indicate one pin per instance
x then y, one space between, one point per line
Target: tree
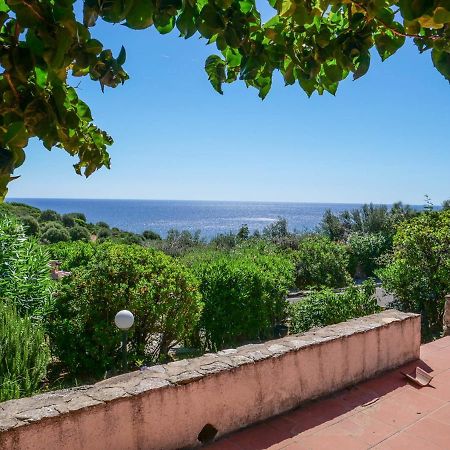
79 233
419 272
316 43
55 233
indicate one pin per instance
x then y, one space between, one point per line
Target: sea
210 217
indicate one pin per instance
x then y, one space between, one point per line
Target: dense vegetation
326 307
315 43
418 270
160 292
190 296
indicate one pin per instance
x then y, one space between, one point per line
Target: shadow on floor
317 414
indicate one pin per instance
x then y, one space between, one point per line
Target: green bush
326 307
79 233
151 235
31 225
159 291
102 224
72 254
419 271
77 216
24 354
68 221
24 271
365 252
103 233
55 233
321 262
244 295
49 215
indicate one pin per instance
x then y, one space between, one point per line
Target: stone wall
168 406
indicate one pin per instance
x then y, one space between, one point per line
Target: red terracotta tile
439 343
405 441
386 385
432 431
287 443
358 396
331 438
318 415
392 413
258 437
437 362
295 446
418 400
222 444
283 424
367 429
439 387
441 414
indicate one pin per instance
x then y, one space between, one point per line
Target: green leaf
164 23
122 56
215 68
246 6
387 43
441 15
140 15
441 61
186 23
362 65
16 136
41 77
413 9
333 71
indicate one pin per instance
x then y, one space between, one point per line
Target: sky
382 138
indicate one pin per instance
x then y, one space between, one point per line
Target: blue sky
383 137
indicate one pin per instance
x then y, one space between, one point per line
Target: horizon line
217 201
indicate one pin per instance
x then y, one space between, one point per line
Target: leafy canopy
316 43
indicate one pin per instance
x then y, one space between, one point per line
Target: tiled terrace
387 412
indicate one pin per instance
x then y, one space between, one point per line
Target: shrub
179 242
79 233
151 235
49 215
225 241
77 216
55 234
277 229
68 220
30 225
244 295
367 219
419 271
321 262
161 293
326 307
102 224
365 251
24 271
24 354
73 254
103 233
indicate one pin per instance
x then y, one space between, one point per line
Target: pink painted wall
170 417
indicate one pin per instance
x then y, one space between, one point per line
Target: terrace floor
386 413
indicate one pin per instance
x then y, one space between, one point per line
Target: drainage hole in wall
207 434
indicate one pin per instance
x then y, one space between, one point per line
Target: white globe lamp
124 320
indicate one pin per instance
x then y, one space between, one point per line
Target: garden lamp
124 321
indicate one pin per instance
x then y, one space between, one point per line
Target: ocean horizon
210 217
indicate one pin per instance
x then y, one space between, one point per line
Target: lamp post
124 321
